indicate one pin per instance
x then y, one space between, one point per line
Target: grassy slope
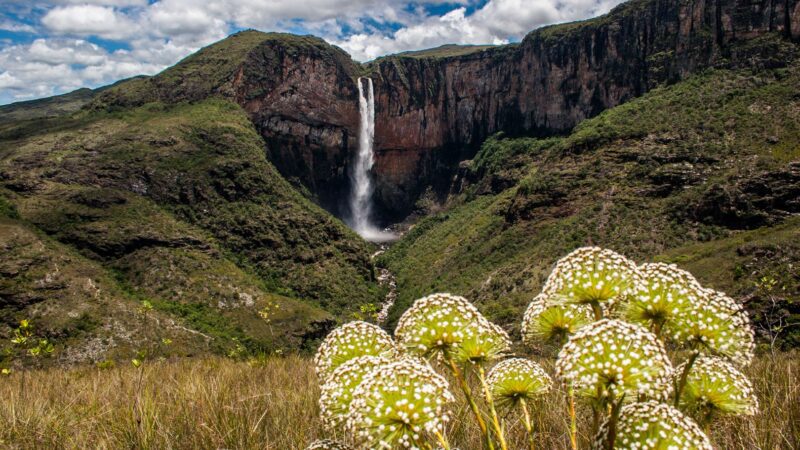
212 70
179 205
667 176
46 107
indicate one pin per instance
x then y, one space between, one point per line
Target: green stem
573 423
526 416
598 311
495 420
684 375
611 437
442 441
473 406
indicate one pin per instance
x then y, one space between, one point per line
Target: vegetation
616 364
444 51
684 159
176 205
192 403
211 71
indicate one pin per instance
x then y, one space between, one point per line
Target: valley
222 185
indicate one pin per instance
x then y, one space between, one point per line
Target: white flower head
654 426
592 276
715 324
337 393
715 385
349 341
548 321
516 379
437 324
663 292
609 359
397 404
327 444
484 341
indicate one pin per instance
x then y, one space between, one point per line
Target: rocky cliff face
304 102
433 111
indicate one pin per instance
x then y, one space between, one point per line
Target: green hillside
705 173
177 206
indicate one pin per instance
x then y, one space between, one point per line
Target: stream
385 278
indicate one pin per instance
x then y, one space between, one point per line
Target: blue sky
49 47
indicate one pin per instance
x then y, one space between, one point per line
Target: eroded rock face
304 102
433 111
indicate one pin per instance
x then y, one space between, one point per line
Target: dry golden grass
218 403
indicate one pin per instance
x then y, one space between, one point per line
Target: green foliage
212 223
7 209
207 320
445 51
632 179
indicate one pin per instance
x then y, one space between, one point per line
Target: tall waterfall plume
360 172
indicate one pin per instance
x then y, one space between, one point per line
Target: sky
50 47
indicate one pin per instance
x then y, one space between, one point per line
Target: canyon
434 108
199 189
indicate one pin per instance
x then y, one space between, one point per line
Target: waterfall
360 176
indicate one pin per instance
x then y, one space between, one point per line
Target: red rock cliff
433 111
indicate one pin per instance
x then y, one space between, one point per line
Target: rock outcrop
433 111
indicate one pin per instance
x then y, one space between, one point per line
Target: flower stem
573 423
473 406
613 418
442 441
526 416
598 311
684 375
495 420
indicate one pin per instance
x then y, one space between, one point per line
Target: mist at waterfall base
362 187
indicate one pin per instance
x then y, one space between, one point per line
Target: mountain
664 130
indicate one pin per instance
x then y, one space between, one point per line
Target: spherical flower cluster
610 358
546 321
327 444
678 275
715 324
662 293
349 341
715 385
592 276
397 404
516 379
337 393
483 342
440 323
654 426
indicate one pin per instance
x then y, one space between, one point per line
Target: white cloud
117 3
77 52
157 35
90 20
498 21
16 27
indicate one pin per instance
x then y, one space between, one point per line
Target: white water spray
362 187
